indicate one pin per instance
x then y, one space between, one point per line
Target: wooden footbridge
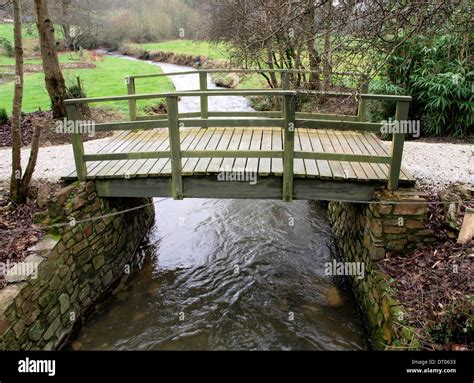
288 154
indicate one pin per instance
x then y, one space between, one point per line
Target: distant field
107 79
189 47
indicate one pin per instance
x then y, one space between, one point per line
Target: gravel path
53 161
438 165
433 164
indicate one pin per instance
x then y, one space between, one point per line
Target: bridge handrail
237 92
239 70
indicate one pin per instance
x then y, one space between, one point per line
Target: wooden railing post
132 104
77 143
397 145
364 89
285 85
175 148
289 113
204 99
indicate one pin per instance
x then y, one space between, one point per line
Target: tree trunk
53 76
313 56
15 183
327 70
25 182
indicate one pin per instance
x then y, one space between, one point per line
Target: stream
230 275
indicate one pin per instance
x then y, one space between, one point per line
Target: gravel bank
438 165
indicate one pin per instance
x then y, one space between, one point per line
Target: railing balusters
77 143
132 104
204 99
397 146
289 111
175 148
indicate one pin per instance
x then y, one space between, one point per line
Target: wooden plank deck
307 140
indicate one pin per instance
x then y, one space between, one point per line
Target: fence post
289 109
204 99
397 145
132 104
77 143
175 148
364 89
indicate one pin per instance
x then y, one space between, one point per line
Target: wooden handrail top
240 70
227 92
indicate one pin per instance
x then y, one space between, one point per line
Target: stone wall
78 264
393 223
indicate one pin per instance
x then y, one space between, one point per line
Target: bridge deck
308 140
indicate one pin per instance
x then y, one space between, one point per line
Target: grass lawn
29 31
190 47
107 79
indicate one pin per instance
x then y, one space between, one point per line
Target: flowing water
230 274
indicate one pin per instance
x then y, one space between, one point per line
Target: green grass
107 79
29 31
189 47
63 57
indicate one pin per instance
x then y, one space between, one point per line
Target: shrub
439 74
3 116
455 326
7 47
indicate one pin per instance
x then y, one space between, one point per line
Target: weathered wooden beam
204 98
236 92
344 124
234 122
132 104
125 156
212 187
175 148
232 154
326 117
165 116
397 146
289 109
131 125
77 144
246 114
343 157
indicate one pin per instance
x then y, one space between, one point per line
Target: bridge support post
289 112
397 145
175 149
204 99
77 143
132 104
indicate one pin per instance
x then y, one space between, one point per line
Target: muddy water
230 274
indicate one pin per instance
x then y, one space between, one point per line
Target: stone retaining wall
77 266
393 223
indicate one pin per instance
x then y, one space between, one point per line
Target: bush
3 116
455 326
439 74
378 111
7 47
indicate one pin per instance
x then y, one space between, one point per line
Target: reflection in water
231 275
